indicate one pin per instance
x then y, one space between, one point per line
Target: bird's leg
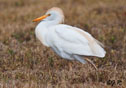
70 67
89 61
79 58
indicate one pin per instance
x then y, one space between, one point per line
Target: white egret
68 42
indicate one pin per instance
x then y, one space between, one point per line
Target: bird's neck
42 29
50 23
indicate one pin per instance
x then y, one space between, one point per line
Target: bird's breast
41 35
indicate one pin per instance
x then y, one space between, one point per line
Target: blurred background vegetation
26 63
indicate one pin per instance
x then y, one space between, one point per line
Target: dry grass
26 63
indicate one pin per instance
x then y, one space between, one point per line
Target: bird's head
53 14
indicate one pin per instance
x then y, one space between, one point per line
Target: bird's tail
98 49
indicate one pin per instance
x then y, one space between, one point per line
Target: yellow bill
41 18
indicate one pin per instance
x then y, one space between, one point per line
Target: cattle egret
68 42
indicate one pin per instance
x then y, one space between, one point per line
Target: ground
26 63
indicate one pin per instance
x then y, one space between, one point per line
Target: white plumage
67 41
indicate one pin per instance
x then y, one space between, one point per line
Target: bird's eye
49 14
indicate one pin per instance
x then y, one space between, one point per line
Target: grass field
26 63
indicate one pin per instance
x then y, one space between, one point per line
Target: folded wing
76 41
